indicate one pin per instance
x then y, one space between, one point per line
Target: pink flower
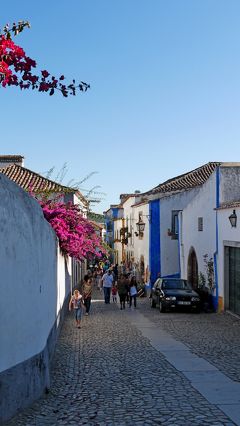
45 74
77 237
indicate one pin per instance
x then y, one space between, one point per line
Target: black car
174 293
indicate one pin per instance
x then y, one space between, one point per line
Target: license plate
183 303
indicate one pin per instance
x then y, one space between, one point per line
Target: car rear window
156 284
176 284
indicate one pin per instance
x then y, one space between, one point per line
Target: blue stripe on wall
154 240
217 187
215 298
179 238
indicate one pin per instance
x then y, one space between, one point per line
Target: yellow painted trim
220 304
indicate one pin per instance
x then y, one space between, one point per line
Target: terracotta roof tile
143 201
29 180
229 205
11 157
186 181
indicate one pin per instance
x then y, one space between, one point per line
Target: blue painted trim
217 187
115 212
215 298
177 275
107 220
179 238
154 240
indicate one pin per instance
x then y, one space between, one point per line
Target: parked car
174 293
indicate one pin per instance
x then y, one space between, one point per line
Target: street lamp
233 219
140 227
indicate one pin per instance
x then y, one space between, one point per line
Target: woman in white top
133 292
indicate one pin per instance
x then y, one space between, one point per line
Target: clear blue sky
164 98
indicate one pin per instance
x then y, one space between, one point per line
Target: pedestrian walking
76 303
99 279
133 292
114 293
128 287
122 290
115 271
107 281
87 293
94 277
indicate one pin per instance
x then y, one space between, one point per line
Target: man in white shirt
107 280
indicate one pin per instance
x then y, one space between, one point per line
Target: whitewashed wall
141 246
204 242
130 222
117 244
35 281
169 246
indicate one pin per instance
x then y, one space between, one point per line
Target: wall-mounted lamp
233 219
140 226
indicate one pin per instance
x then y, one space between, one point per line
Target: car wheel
153 303
162 308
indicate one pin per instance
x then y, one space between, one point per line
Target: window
176 284
174 230
200 223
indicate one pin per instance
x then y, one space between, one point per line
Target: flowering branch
77 236
16 68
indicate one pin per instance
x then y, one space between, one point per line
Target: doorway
192 275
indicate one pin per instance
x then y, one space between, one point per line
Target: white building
140 240
203 230
130 246
229 256
165 202
184 228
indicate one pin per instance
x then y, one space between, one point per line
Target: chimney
9 160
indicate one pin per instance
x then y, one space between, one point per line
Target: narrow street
110 373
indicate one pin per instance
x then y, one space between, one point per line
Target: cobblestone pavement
108 374
215 337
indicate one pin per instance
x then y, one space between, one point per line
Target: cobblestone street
213 337
107 373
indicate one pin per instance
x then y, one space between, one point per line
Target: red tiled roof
229 205
140 203
11 157
186 181
29 180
